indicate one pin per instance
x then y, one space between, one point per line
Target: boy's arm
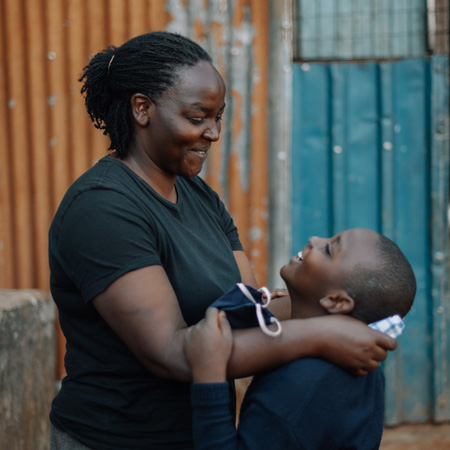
212 421
207 347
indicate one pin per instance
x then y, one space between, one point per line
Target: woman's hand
351 344
207 346
278 293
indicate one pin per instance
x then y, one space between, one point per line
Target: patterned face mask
393 326
245 308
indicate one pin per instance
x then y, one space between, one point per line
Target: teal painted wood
361 145
440 236
339 205
411 366
311 188
370 149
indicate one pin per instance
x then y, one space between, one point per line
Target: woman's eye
196 120
219 118
328 249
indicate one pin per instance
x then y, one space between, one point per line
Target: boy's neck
304 309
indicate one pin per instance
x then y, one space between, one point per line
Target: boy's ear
338 302
141 107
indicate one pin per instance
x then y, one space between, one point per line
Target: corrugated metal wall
47 139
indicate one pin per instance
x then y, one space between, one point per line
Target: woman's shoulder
105 178
105 183
106 172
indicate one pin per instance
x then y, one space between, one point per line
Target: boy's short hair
386 288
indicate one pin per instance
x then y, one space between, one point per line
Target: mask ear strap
267 294
262 322
259 310
246 292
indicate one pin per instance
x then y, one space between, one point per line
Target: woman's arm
142 308
342 340
247 275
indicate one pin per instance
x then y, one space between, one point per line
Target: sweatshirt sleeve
212 421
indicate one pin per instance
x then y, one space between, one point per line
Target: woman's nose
212 133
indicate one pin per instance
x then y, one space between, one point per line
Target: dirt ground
417 437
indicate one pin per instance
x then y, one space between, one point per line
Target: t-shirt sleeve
228 225
102 236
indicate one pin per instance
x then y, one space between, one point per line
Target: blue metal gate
370 149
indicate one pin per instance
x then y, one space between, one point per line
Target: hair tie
110 61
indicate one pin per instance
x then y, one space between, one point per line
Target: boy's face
327 262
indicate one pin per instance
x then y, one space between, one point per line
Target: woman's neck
159 181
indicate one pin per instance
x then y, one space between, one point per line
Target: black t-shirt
109 223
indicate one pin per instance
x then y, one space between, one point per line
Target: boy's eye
219 118
328 249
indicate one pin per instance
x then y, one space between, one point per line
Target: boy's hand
352 344
207 346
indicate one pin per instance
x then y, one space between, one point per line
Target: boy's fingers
211 314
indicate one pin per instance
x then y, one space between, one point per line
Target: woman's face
185 121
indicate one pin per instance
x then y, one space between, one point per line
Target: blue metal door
370 149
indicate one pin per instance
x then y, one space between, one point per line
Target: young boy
308 403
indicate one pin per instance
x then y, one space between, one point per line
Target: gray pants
62 441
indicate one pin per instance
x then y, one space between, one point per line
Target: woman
140 247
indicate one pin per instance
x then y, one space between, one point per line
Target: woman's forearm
254 351
342 340
280 307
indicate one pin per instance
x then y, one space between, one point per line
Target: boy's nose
312 241
315 240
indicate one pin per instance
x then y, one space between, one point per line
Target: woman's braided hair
147 64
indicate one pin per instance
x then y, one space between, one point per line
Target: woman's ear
338 302
141 106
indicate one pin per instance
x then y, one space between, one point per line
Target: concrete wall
27 368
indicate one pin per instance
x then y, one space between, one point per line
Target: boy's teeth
300 256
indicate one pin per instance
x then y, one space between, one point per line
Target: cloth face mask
245 308
393 326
